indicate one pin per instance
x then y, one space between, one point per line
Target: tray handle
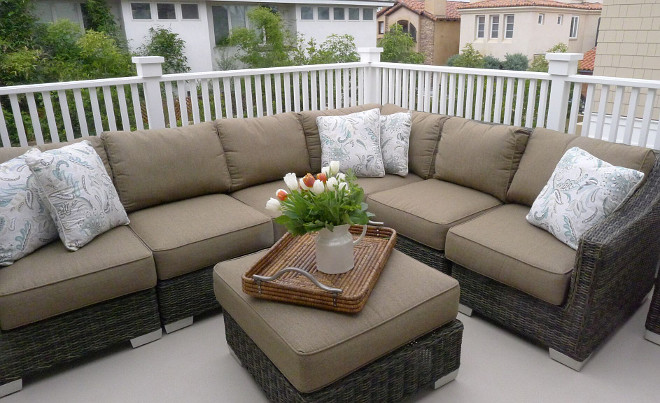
265 279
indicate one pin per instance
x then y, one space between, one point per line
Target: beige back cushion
546 147
263 149
424 135
8 153
478 155
308 121
152 167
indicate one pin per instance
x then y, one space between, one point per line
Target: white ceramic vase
334 249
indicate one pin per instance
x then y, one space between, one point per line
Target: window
481 26
166 11
368 14
381 27
353 14
306 13
575 20
141 11
226 18
408 28
337 13
541 19
324 13
189 12
494 26
508 19
560 19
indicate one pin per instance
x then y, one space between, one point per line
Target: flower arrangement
325 201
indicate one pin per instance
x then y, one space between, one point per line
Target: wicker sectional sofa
196 196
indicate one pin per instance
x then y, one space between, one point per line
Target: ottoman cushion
314 348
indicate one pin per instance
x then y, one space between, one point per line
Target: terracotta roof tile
530 3
418 7
587 63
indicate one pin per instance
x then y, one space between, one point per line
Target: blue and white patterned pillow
25 224
354 141
78 191
581 192
394 141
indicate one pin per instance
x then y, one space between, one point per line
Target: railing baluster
361 85
443 94
436 92
575 108
451 109
123 108
616 114
4 133
488 110
80 109
346 88
543 104
226 91
269 95
508 103
354 87
249 104
206 102
399 87
404 90
602 108
331 103
586 121
34 117
646 120
305 91
338 89
479 103
169 100
322 93
259 96
66 116
287 92
50 115
194 101
217 98
630 119
314 89
499 90
18 119
520 101
469 101
183 101
413 87
296 92
109 109
238 97
137 107
391 84
427 91
278 93
460 102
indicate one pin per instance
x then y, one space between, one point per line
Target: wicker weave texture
389 379
429 256
653 319
187 295
36 347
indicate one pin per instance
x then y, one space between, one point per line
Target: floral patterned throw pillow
80 195
394 140
354 141
581 192
25 224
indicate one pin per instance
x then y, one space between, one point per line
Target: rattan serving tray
348 291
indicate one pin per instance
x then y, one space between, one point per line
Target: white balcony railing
620 110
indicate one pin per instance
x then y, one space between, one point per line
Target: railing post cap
564 57
370 50
149 66
148 59
369 55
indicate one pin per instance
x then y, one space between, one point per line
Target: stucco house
203 23
433 24
530 27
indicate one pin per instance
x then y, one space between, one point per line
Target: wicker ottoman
406 337
653 319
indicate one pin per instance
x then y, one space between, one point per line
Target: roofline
529 8
375 3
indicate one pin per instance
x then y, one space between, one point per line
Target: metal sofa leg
566 360
11 387
445 379
179 324
465 310
652 337
146 338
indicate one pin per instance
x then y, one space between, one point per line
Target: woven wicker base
36 347
653 319
187 295
391 378
429 256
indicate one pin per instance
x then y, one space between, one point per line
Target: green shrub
491 62
515 61
398 47
469 57
164 42
540 64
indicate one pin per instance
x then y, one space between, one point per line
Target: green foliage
16 24
398 47
100 19
515 61
100 57
335 49
540 64
469 57
164 42
491 62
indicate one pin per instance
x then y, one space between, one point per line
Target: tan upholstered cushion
314 348
502 245
424 211
152 167
7 153
191 234
94 141
374 185
263 149
53 280
424 136
480 155
308 121
546 147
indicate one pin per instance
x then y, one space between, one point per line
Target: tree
17 24
539 63
398 47
99 18
335 49
515 61
164 42
469 57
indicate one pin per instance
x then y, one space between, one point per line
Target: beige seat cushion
308 121
502 245
374 185
53 280
546 147
263 149
480 155
424 136
151 167
424 211
314 348
191 234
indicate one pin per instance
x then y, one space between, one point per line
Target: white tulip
334 168
342 186
332 183
291 181
326 171
318 187
273 205
341 177
302 184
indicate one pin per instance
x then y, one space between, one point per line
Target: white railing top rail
531 75
615 81
68 85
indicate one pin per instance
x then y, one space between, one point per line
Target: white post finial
150 68
371 84
560 66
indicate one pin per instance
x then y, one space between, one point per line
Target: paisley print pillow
394 140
